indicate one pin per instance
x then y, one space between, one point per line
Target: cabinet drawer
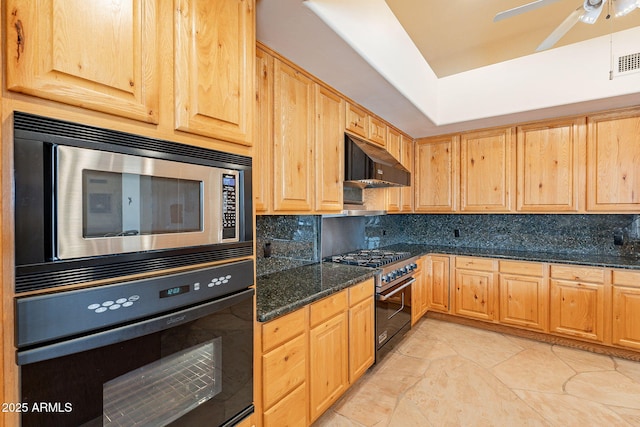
290 411
283 369
471 263
570 272
282 329
360 292
523 268
627 278
328 307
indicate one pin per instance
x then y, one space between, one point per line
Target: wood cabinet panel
362 291
377 131
361 337
263 133
436 174
475 294
613 156
329 163
394 195
547 173
626 309
357 120
486 171
293 141
522 268
50 56
282 329
577 273
524 301
290 411
214 71
406 158
328 307
474 263
283 369
419 295
328 363
438 283
578 309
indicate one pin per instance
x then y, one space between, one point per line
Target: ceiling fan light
623 7
592 10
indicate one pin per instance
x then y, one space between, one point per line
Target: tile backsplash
294 240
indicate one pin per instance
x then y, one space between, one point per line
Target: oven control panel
43 318
396 273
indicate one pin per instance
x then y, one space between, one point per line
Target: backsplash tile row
295 240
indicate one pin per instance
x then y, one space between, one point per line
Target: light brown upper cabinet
214 74
406 158
116 70
613 159
486 171
377 131
357 120
436 174
548 166
293 139
394 195
329 143
263 133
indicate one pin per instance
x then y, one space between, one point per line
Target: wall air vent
627 64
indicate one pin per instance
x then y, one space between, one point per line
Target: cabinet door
626 316
436 169
377 131
487 177
475 294
329 150
406 158
361 338
419 296
263 133
290 411
438 283
577 309
329 363
103 58
214 72
524 301
357 120
283 369
394 195
293 139
613 153
547 156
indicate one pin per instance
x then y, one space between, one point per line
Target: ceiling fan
588 13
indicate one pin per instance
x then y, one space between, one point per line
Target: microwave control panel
229 206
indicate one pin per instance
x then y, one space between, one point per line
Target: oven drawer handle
384 297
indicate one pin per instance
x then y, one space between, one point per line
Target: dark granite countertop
283 292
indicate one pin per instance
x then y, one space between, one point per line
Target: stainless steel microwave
94 203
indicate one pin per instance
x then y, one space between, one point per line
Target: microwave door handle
384 297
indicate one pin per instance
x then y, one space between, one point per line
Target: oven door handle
384 297
127 332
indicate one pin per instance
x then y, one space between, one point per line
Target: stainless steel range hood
368 166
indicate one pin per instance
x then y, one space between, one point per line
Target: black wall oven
133 300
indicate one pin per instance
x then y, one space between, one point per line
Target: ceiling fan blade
522 9
562 29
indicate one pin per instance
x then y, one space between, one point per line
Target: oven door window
196 374
126 204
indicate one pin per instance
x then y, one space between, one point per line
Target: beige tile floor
444 374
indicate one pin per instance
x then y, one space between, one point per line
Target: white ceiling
379 61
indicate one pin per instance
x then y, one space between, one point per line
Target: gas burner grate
370 257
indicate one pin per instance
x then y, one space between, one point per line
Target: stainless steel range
393 292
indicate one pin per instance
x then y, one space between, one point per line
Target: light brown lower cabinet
437 278
626 309
328 352
580 303
311 356
524 295
475 288
419 293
